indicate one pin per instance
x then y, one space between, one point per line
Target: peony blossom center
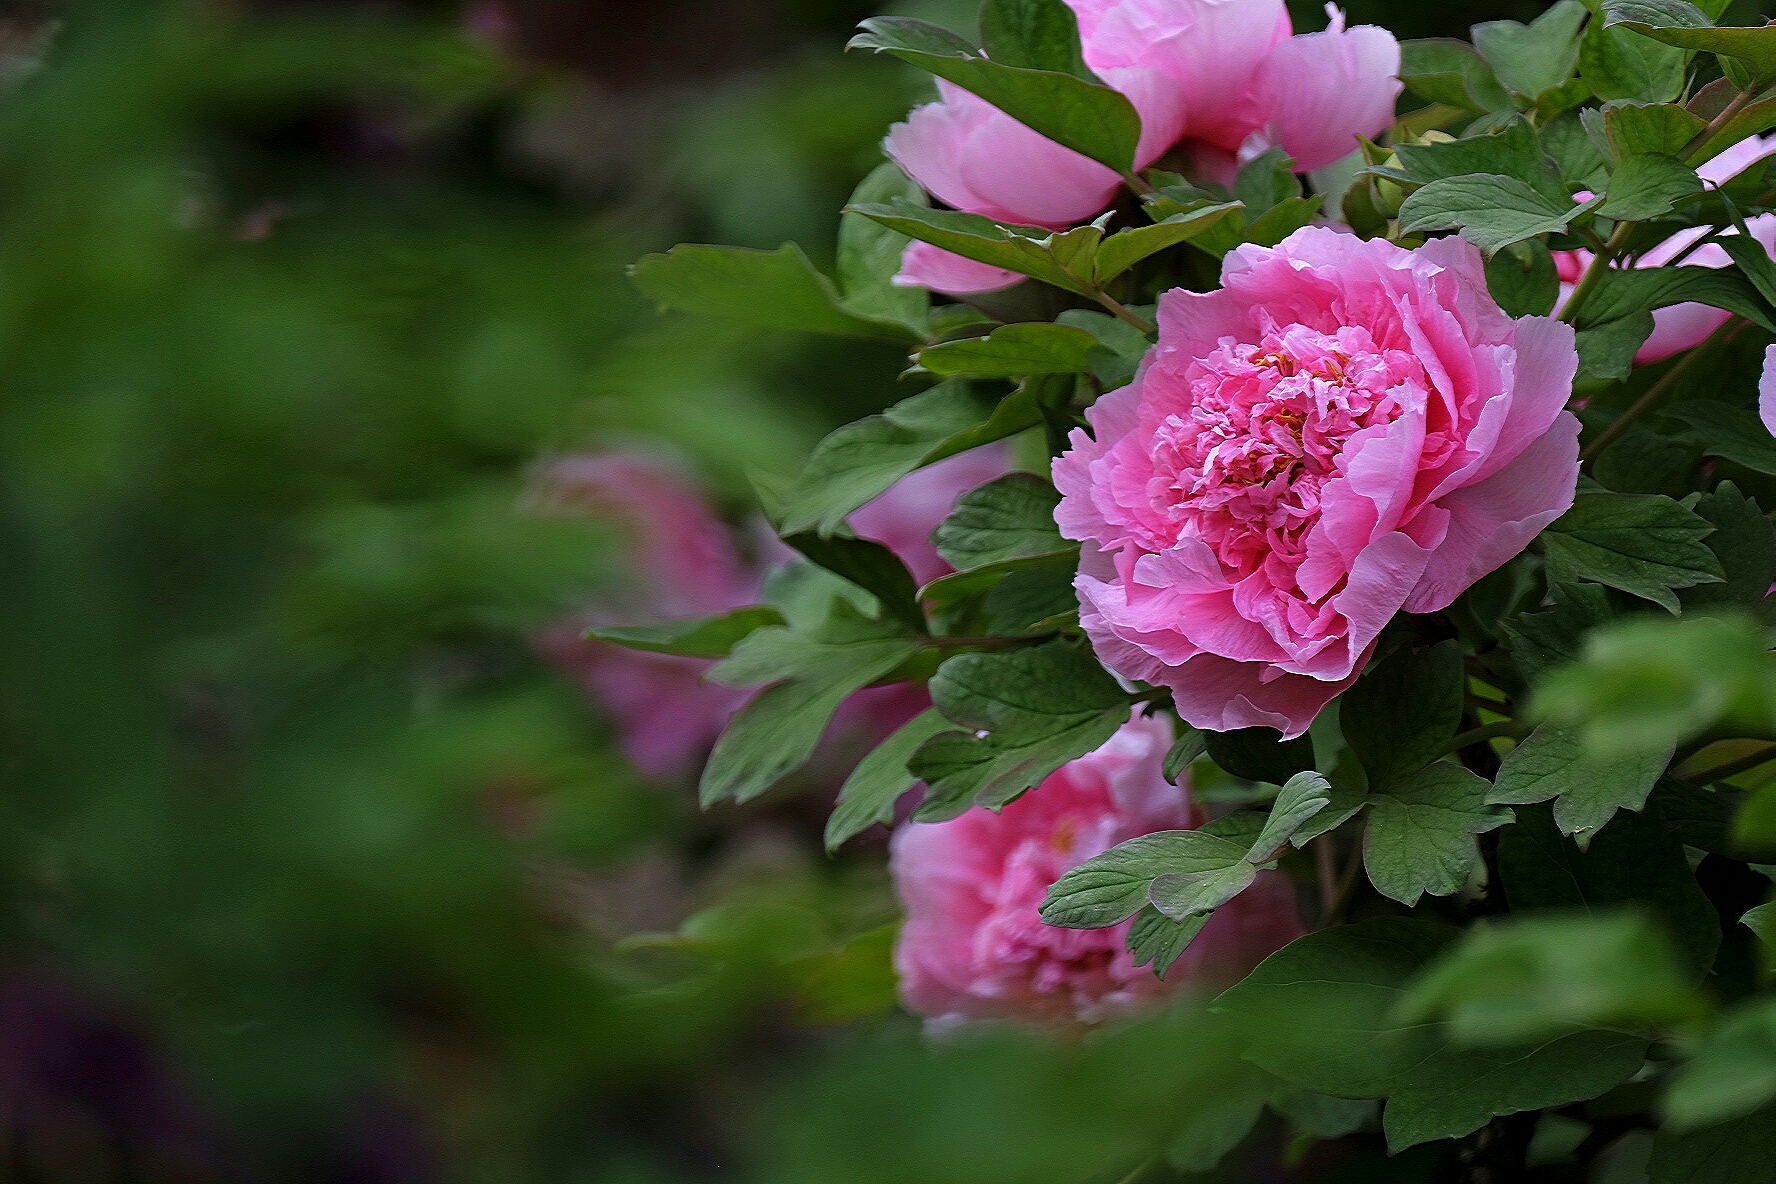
1262 428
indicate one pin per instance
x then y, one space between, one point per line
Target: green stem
1656 393
1139 184
1726 769
988 643
1600 263
1491 704
1121 310
1326 869
1347 888
1715 125
1484 733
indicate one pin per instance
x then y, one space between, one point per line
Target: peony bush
1321 556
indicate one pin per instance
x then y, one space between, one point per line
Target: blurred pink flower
1684 326
974 945
1222 80
1345 430
685 563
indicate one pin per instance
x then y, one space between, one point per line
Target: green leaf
1229 1094
1346 800
1642 544
1420 836
772 289
702 637
1124 249
1579 158
1039 708
871 566
1321 1115
1445 70
1532 59
1120 344
1739 1152
1544 641
1023 249
1510 148
1157 940
1632 861
1647 681
1110 888
1673 22
1619 64
948 591
1260 754
1523 279
1013 351
1648 186
1762 922
1606 350
1590 786
1537 977
1305 795
869 257
1191 744
1745 544
1009 518
1702 817
1267 230
1490 210
1402 713
813 672
861 460
1636 129
1319 1014
1732 433
1202 889
1034 35
1731 1073
1265 182
877 783
1091 119
1033 599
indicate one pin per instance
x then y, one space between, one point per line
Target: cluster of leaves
1545 803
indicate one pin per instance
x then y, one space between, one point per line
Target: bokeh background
313 865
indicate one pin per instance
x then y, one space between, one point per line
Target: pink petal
925 266
1319 91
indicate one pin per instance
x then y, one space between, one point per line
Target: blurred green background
311 867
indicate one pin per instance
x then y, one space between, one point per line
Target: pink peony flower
686 564
974 945
1345 430
1222 80
1684 326
1767 390
903 518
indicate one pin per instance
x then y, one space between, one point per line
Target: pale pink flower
1345 430
974 945
1683 326
1767 390
1222 80
685 563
